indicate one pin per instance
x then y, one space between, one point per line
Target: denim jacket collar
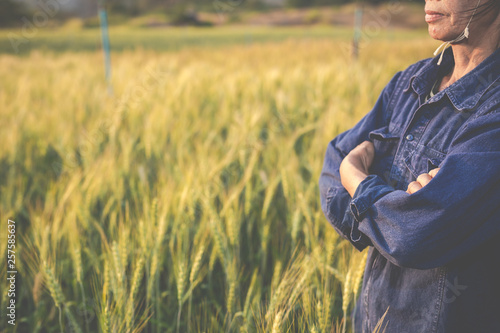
464 93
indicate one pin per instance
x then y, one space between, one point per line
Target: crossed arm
354 169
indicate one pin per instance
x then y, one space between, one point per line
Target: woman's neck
473 51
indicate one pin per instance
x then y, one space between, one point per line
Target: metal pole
358 23
103 19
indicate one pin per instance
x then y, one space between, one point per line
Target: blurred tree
299 3
136 7
11 13
312 3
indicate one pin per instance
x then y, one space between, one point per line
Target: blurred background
78 23
161 159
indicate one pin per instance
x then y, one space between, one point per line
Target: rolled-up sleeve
335 200
457 211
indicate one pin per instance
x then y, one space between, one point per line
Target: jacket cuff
367 193
335 204
356 237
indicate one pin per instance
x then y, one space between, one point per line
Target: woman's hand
354 167
421 181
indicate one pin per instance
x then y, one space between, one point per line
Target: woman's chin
439 34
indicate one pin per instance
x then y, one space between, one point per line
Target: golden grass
191 194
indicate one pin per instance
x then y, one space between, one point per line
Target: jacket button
409 137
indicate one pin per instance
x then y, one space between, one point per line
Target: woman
417 180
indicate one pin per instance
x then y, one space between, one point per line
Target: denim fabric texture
434 255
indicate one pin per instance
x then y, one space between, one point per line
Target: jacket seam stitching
368 288
439 302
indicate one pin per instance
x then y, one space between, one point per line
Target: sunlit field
185 198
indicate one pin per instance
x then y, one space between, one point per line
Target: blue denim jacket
434 255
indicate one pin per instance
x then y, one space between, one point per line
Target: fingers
365 148
370 148
421 181
362 156
433 172
424 179
368 144
413 187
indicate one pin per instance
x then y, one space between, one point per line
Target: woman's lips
432 16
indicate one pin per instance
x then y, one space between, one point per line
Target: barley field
186 198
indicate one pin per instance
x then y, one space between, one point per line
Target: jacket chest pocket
386 144
423 159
